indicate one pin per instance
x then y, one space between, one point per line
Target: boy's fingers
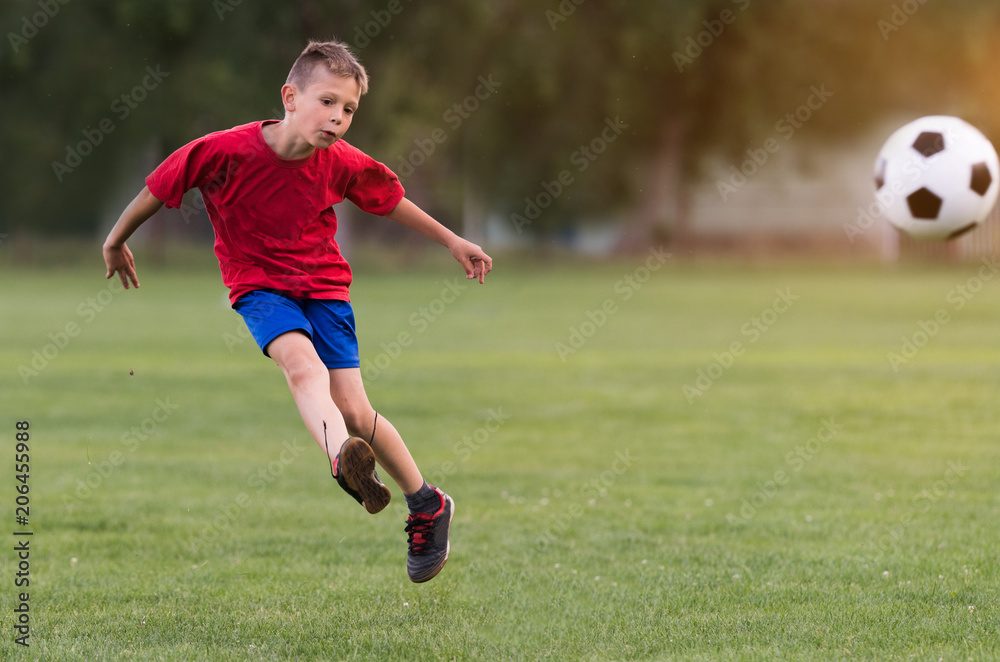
131 275
475 262
129 268
479 270
469 264
485 265
125 275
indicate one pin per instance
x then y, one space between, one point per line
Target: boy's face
322 112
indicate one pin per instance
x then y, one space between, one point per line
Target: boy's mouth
329 134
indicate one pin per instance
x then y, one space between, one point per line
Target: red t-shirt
273 218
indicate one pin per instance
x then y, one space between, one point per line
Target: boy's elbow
146 194
395 211
148 200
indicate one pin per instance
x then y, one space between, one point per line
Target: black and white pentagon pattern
981 178
924 204
929 143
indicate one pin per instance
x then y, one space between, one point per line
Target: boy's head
322 92
332 56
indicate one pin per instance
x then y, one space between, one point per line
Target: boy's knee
359 420
297 358
303 373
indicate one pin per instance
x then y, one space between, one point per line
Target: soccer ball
937 178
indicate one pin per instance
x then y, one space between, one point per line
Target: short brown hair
335 56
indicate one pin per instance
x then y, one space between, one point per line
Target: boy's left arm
472 258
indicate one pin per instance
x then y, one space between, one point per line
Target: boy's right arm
117 256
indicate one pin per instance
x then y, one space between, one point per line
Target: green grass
591 514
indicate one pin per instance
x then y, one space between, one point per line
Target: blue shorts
329 323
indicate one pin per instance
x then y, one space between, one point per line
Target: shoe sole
357 464
447 550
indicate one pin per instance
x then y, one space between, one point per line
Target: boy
269 188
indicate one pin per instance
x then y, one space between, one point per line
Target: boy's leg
307 379
431 510
309 383
348 393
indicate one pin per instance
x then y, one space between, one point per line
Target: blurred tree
544 112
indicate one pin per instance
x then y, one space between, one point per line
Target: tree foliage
505 102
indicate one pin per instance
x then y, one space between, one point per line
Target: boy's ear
288 95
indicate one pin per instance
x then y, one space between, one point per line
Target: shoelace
335 465
419 525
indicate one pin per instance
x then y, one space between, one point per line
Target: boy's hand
116 254
472 258
119 258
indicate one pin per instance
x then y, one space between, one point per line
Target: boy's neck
285 142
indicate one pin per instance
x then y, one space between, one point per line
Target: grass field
693 462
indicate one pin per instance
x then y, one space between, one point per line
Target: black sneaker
428 540
354 468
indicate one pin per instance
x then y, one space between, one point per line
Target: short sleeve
374 188
191 166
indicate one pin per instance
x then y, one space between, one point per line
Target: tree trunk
665 204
